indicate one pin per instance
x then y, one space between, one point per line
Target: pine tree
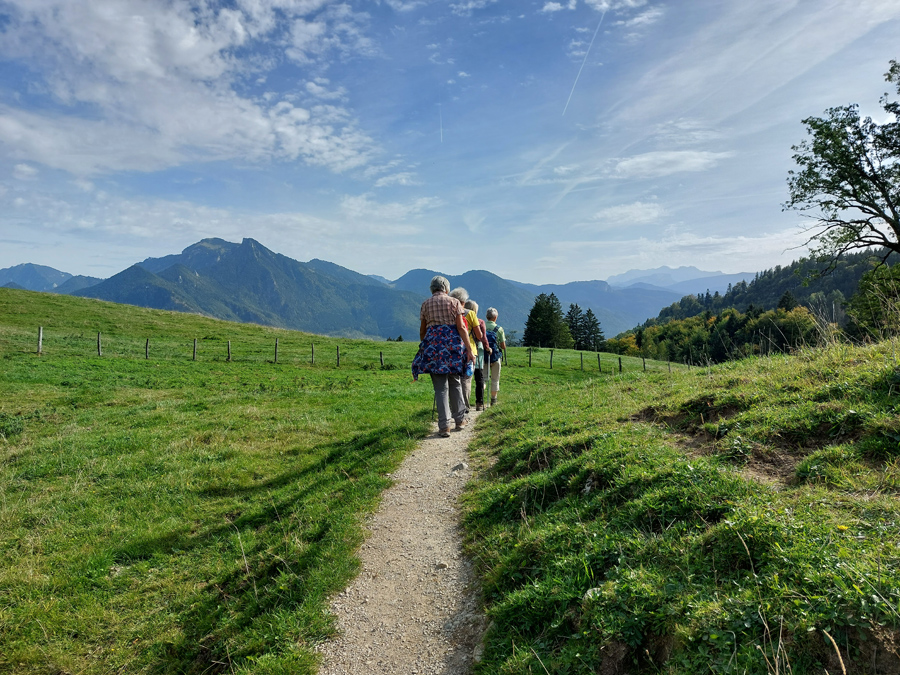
546 326
575 322
593 335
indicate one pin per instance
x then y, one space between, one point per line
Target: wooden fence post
195 349
620 364
40 339
381 358
99 346
229 351
313 358
551 359
529 357
276 350
644 361
670 366
338 356
599 367
147 349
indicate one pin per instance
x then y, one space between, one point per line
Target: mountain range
247 282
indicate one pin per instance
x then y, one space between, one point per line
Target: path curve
413 609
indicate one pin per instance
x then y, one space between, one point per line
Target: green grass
167 515
170 515
722 520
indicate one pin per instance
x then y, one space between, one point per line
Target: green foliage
875 309
619 524
730 335
848 176
166 515
546 326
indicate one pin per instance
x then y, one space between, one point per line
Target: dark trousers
479 386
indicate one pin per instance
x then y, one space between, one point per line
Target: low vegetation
169 515
736 519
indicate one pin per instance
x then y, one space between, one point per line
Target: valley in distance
247 282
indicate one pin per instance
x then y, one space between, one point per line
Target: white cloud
161 82
364 208
666 163
637 213
404 178
404 5
645 18
551 7
24 172
463 74
466 8
614 5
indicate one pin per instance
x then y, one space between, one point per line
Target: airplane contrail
583 62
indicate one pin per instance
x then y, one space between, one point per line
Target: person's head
439 283
491 314
471 304
460 294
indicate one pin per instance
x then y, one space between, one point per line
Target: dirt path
413 610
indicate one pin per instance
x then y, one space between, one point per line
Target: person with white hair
496 338
475 336
444 353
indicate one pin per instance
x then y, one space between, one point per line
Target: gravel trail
413 609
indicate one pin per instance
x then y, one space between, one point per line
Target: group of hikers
455 344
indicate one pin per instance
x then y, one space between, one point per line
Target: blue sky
544 141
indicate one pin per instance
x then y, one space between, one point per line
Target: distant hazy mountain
683 280
76 283
33 277
616 308
247 282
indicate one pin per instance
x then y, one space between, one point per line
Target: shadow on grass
296 542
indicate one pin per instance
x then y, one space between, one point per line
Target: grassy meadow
167 515
737 519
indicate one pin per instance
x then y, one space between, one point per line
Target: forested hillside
780 310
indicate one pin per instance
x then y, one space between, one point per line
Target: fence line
579 365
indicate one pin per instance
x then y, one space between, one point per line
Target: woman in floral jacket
444 353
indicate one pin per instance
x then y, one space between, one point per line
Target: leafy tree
849 176
546 326
875 309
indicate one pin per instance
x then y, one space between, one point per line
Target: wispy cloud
390 214
142 86
404 178
24 172
637 213
666 163
553 7
466 8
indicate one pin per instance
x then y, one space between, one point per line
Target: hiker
444 353
473 330
479 333
496 338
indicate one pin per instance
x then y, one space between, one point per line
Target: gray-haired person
473 333
477 331
444 353
497 339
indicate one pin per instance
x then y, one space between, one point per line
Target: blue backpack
496 354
